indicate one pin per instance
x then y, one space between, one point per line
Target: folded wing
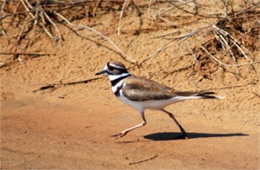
140 89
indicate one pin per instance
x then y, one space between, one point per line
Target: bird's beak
101 72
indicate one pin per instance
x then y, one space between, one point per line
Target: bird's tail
202 95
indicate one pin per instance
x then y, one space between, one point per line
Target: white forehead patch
116 66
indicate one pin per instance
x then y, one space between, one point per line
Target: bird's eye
110 68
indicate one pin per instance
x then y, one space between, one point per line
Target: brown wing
140 89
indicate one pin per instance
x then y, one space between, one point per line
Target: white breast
114 88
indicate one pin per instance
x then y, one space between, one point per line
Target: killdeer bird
142 93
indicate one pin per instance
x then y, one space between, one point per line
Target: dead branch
192 80
185 36
244 10
225 64
41 13
46 15
18 56
193 13
54 25
166 45
3 14
49 86
139 14
96 6
225 4
122 12
81 81
33 27
160 14
80 26
164 35
29 54
145 160
224 37
120 18
54 86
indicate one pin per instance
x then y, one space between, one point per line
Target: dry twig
46 15
145 160
80 26
225 64
166 45
29 54
54 86
120 18
40 13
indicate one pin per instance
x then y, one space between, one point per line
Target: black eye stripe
110 67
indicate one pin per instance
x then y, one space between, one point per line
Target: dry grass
234 35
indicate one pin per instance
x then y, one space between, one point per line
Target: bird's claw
119 135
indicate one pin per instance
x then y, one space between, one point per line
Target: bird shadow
163 136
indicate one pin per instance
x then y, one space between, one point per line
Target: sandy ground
70 126
40 133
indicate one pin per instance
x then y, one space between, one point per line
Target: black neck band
114 82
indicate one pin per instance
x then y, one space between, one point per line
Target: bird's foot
119 135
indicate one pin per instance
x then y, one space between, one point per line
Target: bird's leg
184 134
124 132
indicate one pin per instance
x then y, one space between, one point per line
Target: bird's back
141 89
